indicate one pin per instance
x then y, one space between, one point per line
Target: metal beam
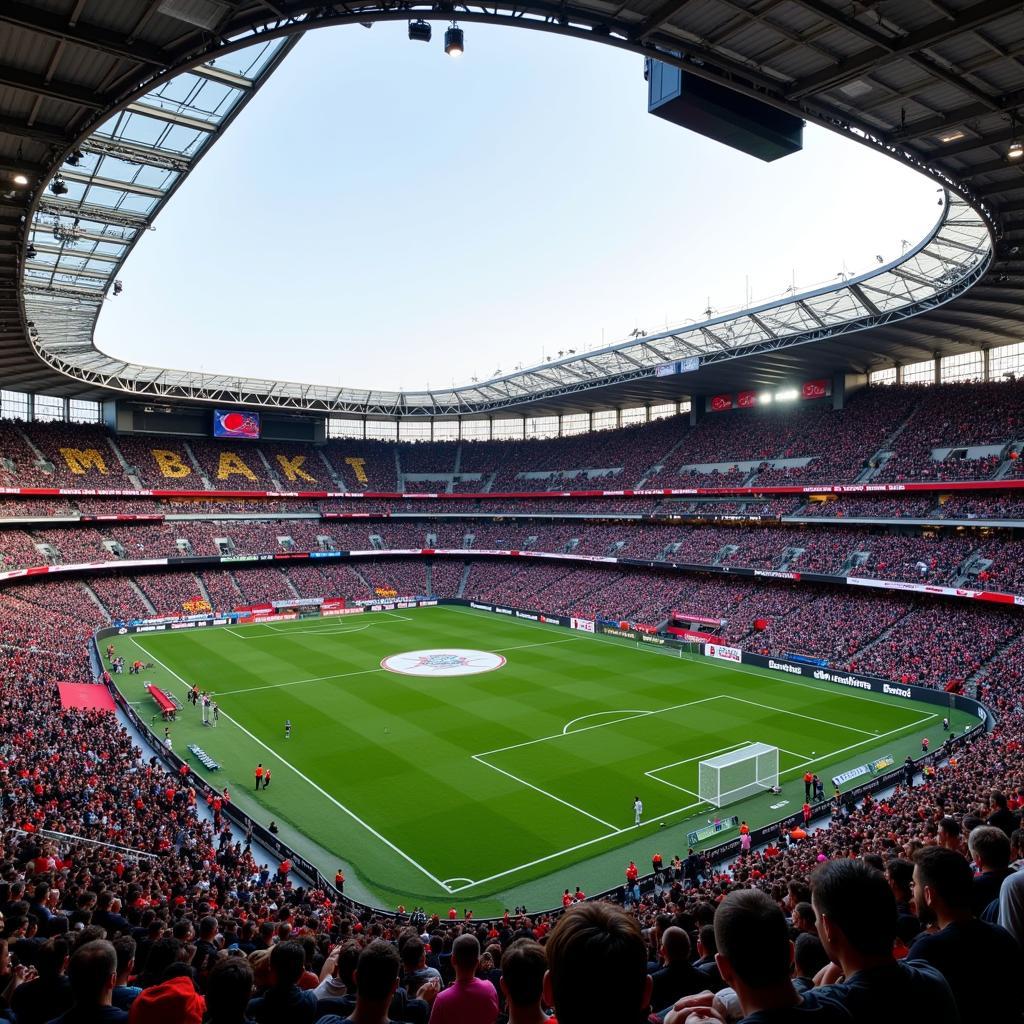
50 134
132 153
661 15
49 89
171 117
884 48
56 26
93 181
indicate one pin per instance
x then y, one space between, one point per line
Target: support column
937 378
839 390
986 363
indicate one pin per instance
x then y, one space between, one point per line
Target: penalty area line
305 778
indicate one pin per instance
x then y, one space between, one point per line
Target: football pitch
492 761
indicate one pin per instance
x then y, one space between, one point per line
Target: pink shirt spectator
472 1002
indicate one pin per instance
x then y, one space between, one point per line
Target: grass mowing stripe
398 751
305 778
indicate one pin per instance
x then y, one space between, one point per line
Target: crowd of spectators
203 931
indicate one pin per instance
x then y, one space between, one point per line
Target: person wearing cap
92 971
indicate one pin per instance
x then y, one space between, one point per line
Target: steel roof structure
118 100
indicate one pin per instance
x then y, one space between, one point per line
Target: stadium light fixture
19 179
765 398
786 395
1016 150
57 186
419 31
30 252
454 41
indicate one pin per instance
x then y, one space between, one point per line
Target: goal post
724 779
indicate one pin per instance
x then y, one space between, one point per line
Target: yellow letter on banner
293 468
231 464
170 464
357 468
79 460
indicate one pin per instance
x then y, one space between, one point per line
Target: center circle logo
444 661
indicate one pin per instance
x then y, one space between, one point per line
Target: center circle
442 661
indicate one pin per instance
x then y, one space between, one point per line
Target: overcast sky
383 216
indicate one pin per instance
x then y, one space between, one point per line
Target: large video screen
232 423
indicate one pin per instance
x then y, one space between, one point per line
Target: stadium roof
121 98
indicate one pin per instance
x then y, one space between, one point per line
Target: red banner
691 617
694 635
815 389
331 603
746 399
720 403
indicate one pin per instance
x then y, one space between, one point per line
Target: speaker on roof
718 113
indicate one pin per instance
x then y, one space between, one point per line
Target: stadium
585 688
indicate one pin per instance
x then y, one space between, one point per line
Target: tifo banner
723 653
691 617
194 605
586 625
692 635
815 389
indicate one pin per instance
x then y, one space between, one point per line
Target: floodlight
1016 150
454 41
419 31
30 252
57 186
20 179
75 158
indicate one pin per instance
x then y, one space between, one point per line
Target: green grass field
504 786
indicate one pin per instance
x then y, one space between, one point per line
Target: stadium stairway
329 469
460 590
657 466
141 595
203 592
271 475
981 674
95 598
398 469
861 651
130 471
207 485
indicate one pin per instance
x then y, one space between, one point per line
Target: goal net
738 774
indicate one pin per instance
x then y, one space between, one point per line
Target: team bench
168 707
204 758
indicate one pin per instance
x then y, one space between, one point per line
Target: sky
381 215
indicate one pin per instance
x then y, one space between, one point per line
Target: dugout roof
122 98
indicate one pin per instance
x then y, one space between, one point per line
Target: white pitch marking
296 682
600 725
523 647
573 849
797 714
598 714
543 792
710 753
305 778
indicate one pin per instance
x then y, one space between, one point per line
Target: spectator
125 993
469 1000
376 980
808 958
678 977
523 966
857 918
597 967
93 975
755 956
49 995
174 999
1001 816
228 991
990 849
284 1000
979 961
